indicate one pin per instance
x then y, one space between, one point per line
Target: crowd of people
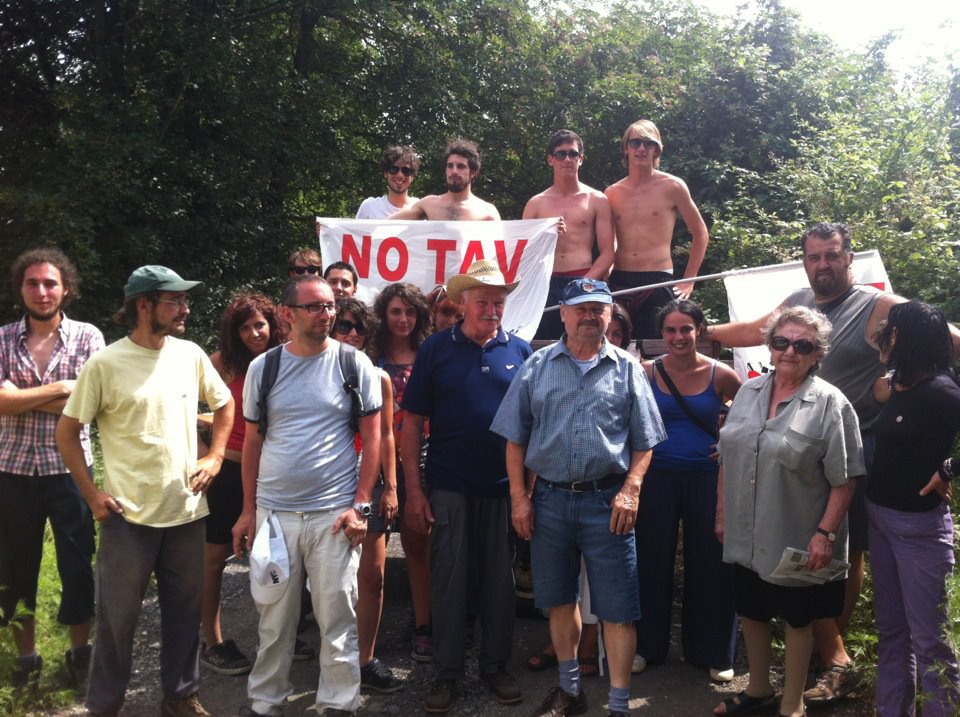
335 422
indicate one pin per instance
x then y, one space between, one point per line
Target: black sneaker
27 672
225 658
422 644
377 676
302 651
78 665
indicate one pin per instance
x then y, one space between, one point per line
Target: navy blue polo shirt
459 385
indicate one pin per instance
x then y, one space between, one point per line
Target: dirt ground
673 689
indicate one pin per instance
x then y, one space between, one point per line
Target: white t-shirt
380 207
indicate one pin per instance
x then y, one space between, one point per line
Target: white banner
753 293
427 253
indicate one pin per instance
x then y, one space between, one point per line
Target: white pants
331 564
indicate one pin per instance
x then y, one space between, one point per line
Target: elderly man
458 380
582 417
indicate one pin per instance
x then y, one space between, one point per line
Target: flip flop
589 666
743 704
541 662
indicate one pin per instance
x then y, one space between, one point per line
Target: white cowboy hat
480 273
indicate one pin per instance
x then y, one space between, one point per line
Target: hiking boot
225 658
440 697
559 704
833 683
78 665
503 687
187 707
27 672
302 651
422 644
377 676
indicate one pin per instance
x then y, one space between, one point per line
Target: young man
343 279
399 166
645 205
40 358
143 392
585 220
462 160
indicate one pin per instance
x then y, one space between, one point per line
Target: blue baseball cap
580 291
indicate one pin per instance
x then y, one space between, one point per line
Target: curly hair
922 346
802 316
69 277
235 354
410 295
466 149
397 154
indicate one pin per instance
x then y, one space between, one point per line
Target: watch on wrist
946 471
831 536
364 509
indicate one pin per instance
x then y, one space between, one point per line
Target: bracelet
947 470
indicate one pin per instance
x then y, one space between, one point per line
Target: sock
569 676
619 699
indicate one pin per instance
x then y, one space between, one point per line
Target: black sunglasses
637 143
407 171
801 347
343 326
300 270
562 154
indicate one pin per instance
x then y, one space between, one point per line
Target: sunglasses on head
801 347
562 154
406 171
300 270
344 326
638 142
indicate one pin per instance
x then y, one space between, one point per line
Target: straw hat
480 273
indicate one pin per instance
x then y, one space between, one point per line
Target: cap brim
585 298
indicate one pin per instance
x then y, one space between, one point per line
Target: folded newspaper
793 564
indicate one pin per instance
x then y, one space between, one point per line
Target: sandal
541 662
589 666
743 704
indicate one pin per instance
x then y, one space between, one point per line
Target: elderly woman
789 449
908 506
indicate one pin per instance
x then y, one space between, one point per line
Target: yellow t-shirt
145 405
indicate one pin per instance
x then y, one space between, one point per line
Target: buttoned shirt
580 426
778 472
27 442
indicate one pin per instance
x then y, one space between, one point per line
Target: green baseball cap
156 278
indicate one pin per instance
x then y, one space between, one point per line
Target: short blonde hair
646 130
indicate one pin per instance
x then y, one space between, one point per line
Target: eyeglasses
301 270
562 154
801 347
314 308
638 142
343 326
406 171
183 302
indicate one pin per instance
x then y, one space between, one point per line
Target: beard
42 316
159 328
456 184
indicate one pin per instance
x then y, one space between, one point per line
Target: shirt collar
560 348
456 333
61 329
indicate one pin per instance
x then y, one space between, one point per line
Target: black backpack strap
351 383
678 397
271 367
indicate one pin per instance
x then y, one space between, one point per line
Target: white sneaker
721 675
639 664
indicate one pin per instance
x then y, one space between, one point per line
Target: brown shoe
503 686
187 707
833 683
559 704
440 697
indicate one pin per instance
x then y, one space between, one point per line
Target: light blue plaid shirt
579 426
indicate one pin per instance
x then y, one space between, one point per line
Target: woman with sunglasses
352 326
908 507
691 391
790 449
250 325
403 322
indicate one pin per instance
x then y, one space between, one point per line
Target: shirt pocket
801 453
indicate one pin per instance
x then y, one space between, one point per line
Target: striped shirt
27 442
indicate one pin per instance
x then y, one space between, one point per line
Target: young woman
250 326
403 319
445 312
353 325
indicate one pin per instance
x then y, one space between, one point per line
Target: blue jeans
568 524
911 555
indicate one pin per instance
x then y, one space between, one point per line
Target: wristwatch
832 537
364 509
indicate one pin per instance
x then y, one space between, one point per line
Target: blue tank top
687 447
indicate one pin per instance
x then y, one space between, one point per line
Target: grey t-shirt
308 461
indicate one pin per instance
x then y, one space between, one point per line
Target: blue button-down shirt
579 426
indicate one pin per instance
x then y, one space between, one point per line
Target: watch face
364 509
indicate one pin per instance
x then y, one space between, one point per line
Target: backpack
347 356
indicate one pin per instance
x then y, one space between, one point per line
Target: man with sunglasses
143 393
645 205
461 159
399 165
584 220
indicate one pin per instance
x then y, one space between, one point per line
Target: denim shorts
568 524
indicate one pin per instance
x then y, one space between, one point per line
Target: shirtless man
462 159
645 205
584 218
